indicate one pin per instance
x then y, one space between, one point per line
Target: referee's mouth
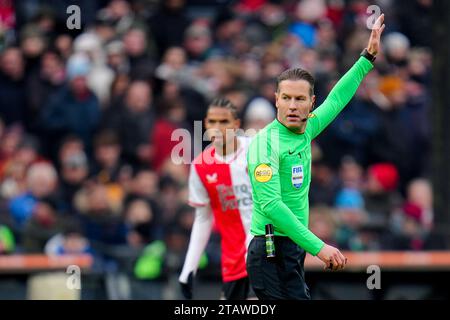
295 118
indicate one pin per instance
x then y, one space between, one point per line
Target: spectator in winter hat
397 47
258 114
383 177
381 194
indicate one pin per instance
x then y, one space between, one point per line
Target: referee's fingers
336 263
341 260
344 259
330 264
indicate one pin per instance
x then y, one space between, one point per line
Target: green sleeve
7 238
150 263
339 96
269 201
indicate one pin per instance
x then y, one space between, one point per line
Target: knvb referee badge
297 176
263 173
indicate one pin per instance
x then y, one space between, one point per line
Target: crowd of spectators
87 115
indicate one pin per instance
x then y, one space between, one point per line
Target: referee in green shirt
279 165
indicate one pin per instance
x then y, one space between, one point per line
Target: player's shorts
279 278
237 290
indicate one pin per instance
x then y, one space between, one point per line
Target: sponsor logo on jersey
263 173
212 178
234 197
297 176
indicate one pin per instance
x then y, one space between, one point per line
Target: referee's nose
293 106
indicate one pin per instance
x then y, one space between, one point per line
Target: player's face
294 103
221 126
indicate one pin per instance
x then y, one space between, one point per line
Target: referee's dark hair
297 74
222 102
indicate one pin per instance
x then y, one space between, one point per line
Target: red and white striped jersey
224 185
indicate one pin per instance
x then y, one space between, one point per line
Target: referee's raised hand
332 257
373 47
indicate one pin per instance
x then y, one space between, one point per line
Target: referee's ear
313 102
276 99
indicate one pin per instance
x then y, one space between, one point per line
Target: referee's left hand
373 47
332 257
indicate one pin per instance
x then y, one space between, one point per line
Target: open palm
374 41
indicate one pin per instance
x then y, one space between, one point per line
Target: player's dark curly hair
222 102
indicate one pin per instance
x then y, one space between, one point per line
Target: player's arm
201 231
346 87
268 195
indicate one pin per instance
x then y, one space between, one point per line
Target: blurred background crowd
86 118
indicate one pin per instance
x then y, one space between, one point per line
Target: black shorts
237 290
280 278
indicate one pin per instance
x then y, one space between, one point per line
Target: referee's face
294 103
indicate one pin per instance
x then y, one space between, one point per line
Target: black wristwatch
368 56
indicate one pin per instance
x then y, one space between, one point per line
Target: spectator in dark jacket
74 109
44 223
133 122
42 84
102 223
140 62
12 89
169 24
74 171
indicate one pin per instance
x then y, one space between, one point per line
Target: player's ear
237 123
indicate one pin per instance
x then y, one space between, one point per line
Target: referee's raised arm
346 87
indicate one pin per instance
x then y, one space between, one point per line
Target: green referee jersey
279 166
